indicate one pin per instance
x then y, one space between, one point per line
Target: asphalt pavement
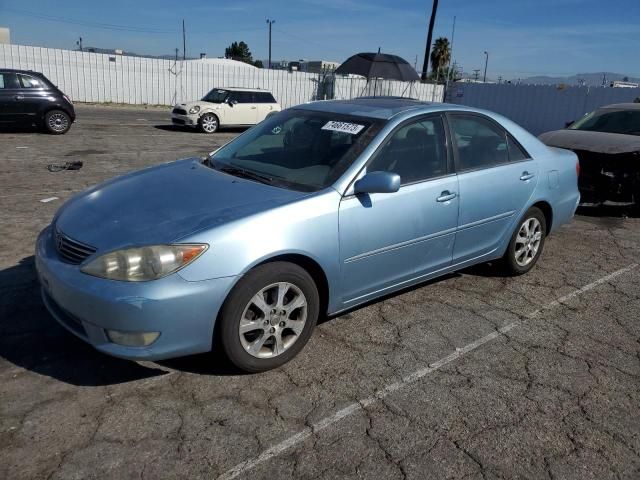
474 375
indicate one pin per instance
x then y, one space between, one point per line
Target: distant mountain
587 79
111 51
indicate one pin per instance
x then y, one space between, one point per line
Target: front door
389 239
10 99
241 110
497 178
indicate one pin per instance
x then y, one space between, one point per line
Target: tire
208 123
57 122
275 331
529 235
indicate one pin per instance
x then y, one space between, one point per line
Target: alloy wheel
528 241
58 122
209 123
273 320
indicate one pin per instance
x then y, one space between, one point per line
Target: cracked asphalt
557 396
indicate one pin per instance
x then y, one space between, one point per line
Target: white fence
538 108
96 77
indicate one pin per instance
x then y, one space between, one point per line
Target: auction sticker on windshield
344 127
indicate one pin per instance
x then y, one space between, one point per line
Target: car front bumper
183 312
184 120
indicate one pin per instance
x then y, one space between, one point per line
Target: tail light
577 168
68 99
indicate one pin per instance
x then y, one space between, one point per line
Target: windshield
298 149
216 96
610 121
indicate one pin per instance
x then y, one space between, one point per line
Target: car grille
179 111
71 250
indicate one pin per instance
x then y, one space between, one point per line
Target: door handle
253 108
526 176
19 97
446 196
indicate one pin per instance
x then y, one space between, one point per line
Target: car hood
162 204
599 142
197 103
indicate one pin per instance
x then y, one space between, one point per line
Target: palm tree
440 56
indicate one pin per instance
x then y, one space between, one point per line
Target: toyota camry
317 209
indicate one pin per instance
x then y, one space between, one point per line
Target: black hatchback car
29 98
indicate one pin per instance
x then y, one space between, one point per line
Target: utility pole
184 42
176 55
79 43
432 21
270 21
486 61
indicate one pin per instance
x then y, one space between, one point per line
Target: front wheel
57 122
208 123
269 316
526 243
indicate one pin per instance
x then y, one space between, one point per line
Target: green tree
239 51
440 56
258 63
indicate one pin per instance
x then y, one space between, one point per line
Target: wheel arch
547 210
311 266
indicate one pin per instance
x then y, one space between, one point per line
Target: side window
416 152
265 97
9 80
27 81
242 97
516 153
480 142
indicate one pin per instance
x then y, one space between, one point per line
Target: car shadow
609 211
30 338
179 128
8 129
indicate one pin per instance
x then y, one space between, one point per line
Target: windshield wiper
248 174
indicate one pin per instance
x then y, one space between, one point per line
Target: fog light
132 339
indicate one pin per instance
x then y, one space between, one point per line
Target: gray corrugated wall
538 108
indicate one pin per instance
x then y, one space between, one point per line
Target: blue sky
523 37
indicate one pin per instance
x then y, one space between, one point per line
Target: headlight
195 109
143 263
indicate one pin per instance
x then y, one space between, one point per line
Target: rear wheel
269 316
208 123
526 242
57 122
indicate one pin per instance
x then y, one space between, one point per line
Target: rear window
27 81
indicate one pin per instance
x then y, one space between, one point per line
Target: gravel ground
470 376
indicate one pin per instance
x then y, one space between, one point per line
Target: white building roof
223 62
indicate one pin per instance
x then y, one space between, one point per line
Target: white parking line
404 382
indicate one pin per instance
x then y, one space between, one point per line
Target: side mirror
232 102
568 124
378 182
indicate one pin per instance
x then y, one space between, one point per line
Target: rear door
10 96
496 179
265 103
242 109
387 239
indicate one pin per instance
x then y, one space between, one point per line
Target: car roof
242 89
13 70
375 107
621 106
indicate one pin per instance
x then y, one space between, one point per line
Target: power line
104 26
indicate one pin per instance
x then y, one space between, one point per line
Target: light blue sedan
317 209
